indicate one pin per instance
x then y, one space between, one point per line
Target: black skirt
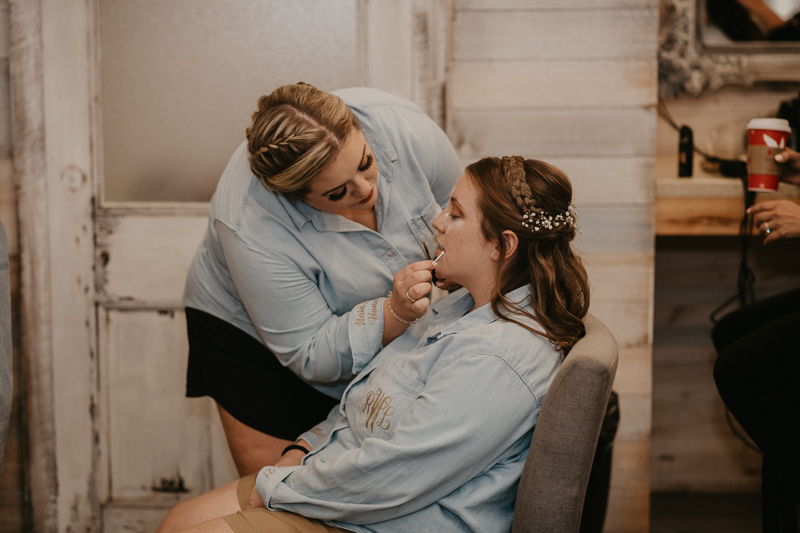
247 380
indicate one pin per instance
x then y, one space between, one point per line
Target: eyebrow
455 201
364 151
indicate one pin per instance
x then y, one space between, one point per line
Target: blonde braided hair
296 132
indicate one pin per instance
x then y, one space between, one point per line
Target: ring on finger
766 227
410 299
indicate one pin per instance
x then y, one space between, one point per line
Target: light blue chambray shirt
432 435
305 282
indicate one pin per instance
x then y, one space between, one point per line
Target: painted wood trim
558 133
134 271
521 84
159 209
403 49
27 87
546 5
556 34
605 181
51 131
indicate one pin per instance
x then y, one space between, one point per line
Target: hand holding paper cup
765 138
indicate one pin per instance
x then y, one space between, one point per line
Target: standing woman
313 222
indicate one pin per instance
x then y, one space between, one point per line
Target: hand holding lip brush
428 255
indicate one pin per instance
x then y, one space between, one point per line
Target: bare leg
212 505
251 449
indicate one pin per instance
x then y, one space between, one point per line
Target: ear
510 241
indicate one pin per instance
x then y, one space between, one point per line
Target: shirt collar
450 314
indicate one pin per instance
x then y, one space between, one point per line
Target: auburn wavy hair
544 259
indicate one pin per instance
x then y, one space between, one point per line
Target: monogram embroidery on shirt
360 320
373 313
378 404
270 470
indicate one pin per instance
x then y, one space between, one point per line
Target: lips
368 198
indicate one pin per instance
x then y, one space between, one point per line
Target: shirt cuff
366 332
318 433
268 480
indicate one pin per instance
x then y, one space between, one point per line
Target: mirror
730 22
696 56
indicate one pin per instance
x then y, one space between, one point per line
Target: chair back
553 483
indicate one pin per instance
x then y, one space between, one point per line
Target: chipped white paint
52 162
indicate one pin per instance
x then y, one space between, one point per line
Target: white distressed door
178 82
126 113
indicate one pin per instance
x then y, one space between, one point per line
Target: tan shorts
265 521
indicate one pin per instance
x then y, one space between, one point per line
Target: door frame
54 60
52 91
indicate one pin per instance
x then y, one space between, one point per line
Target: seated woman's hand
290 458
790 166
410 288
777 219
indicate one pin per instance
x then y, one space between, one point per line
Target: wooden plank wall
11 500
574 83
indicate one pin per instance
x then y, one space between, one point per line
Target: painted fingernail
780 157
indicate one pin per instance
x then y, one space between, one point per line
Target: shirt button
390 253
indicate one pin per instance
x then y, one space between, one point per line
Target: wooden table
705 204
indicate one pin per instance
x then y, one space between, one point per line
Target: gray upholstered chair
5 341
553 484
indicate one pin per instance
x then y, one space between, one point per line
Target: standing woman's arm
295 321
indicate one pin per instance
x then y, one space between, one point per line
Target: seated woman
433 434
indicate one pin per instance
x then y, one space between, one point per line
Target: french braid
296 132
514 175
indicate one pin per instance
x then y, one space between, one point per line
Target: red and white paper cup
765 138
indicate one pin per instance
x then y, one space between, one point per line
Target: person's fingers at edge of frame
761 207
787 155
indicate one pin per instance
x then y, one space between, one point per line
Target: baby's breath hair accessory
538 219
532 217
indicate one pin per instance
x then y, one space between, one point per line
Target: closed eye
367 164
339 195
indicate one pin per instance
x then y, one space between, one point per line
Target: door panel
159 442
180 80
143 254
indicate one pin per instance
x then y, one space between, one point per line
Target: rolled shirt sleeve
319 434
468 417
292 317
